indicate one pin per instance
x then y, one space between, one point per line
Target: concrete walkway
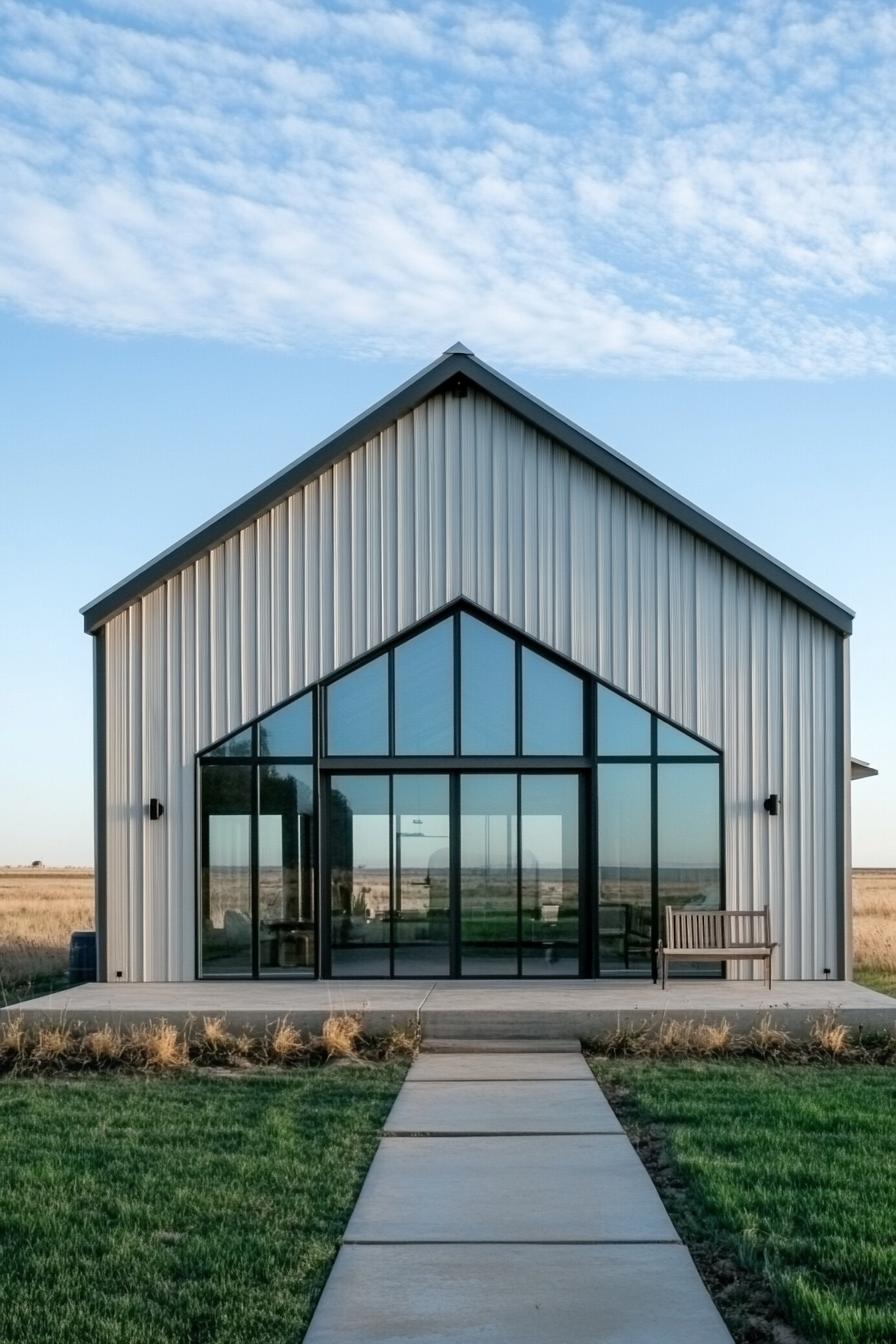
506 1206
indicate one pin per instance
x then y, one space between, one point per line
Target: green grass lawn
883 981
790 1171
186 1209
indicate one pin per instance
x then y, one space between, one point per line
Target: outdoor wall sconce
773 804
156 809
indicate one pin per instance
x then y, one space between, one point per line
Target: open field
781 1180
39 908
874 927
191 1210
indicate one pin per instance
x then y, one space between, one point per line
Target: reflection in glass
688 844
549 874
421 848
552 708
424 693
357 711
287 732
359 874
489 912
624 879
238 745
623 728
488 694
226 876
285 869
675 742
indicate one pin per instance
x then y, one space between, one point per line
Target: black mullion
454 920
590 934
255 785
519 875
457 682
317 850
391 880
654 850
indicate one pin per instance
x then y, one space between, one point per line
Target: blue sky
229 225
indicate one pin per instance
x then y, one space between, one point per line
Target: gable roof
458 366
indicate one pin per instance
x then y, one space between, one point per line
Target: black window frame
454 765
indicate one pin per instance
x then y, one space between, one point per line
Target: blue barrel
82 957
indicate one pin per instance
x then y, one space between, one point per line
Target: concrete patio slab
473 1294
468 1009
493 1067
509 1189
502 1108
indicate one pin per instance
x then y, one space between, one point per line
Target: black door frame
453 769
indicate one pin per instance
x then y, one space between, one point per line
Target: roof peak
457 349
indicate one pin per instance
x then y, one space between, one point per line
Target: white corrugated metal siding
460 497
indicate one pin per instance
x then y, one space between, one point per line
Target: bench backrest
701 929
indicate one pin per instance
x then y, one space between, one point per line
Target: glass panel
623 728
421 834
358 837
552 708
488 694
424 693
285 869
226 880
625 935
238 745
488 870
549 821
287 732
688 845
675 742
358 712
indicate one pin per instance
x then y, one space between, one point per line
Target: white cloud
712 193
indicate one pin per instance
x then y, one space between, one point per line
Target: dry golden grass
340 1035
874 918
39 910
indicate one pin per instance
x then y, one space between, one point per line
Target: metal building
464 692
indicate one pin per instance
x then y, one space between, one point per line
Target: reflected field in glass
549 874
360 921
422 868
286 942
226 874
489 913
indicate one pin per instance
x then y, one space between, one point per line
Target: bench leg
769 974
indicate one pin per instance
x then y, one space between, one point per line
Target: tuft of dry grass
104 1046
285 1044
340 1035
769 1041
158 1046
402 1041
830 1037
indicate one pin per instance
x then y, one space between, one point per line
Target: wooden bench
717 935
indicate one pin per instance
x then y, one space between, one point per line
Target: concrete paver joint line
496 1204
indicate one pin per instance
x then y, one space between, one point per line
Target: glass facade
468 806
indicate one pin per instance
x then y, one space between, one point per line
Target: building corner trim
99 799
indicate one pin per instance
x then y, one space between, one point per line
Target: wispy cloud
711 193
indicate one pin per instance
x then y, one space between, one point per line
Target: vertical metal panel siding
461 497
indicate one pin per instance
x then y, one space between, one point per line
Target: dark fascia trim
99 800
458 366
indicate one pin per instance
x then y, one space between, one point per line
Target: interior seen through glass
477 869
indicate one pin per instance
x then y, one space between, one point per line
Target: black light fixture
156 809
773 804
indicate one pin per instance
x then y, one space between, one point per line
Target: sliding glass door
460 873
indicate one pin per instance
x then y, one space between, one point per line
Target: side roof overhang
456 368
